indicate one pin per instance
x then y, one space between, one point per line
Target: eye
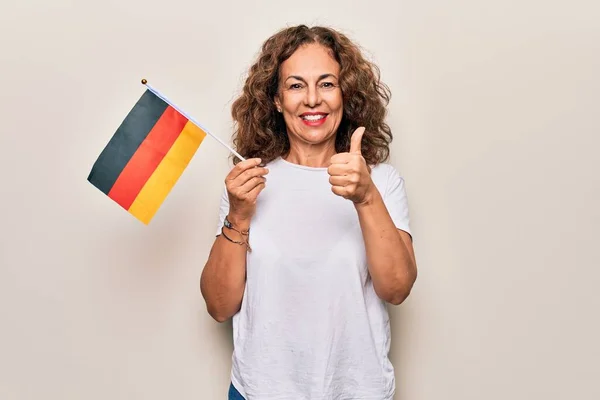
296 86
327 85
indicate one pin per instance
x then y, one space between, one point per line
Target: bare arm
224 275
390 253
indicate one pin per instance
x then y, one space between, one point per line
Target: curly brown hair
260 130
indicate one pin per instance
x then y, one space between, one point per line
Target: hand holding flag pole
147 154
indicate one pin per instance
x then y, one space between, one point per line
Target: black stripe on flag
126 140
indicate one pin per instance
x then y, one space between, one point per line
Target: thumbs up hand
349 174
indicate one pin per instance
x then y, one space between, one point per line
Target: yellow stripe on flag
167 173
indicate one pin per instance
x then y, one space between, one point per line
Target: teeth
313 117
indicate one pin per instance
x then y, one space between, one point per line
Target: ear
277 103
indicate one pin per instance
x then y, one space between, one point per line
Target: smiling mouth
313 118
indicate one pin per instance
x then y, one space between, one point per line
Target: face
309 95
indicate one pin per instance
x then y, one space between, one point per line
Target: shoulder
386 176
384 169
275 163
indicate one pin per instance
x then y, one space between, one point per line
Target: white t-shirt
311 325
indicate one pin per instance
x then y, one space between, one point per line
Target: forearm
224 276
391 266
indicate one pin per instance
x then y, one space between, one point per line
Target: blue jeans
234 394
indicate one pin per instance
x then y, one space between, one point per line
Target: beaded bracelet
230 226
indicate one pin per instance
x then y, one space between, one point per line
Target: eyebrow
321 77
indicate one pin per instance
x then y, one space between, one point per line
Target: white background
495 112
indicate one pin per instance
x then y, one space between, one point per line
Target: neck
311 155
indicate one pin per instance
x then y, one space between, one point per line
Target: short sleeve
396 200
223 210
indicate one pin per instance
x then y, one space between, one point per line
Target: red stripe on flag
147 157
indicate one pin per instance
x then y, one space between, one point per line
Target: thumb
356 139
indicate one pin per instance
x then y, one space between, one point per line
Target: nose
313 97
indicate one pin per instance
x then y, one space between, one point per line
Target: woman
306 261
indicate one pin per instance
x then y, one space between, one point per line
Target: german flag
146 156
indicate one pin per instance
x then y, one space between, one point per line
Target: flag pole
156 92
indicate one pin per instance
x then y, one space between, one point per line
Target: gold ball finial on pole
144 81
